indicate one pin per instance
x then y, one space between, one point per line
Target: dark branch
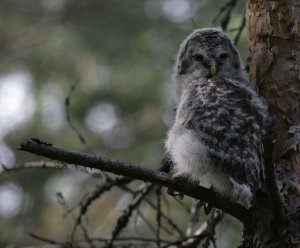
239 30
228 7
69 120
137 172
270 180
164 217
96 194
121 240
158 215
48 241
124 218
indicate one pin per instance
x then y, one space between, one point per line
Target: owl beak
213 69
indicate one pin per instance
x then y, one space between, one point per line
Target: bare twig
206 232
48 241
195 212
158 214
167 220
96 194
239 30
54 165
146 221
227 9
120 241
213 219
138 172
61 201
86 236
69 120
164 217
124 218
194 24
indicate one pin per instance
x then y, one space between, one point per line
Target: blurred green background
119 56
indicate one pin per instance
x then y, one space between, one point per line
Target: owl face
208 53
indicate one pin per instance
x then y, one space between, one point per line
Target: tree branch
274 196
137 172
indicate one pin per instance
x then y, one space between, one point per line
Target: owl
215 140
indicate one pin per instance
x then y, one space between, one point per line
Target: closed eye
223 56
198 57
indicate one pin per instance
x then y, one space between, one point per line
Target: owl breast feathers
220 120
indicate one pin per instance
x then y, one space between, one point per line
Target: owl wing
229 117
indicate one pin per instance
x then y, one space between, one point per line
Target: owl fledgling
220 120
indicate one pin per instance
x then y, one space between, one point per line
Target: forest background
112 62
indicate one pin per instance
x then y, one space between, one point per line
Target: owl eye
223 56
198 57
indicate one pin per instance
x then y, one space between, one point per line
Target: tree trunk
274 40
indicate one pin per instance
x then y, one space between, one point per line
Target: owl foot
199 203
206 207
183 177
172 192
179 176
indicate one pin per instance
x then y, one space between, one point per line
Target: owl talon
195 183
207 208
172 192
180 196
199 204
182 177
212 187
179 177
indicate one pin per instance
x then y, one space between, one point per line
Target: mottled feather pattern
231 118
220 119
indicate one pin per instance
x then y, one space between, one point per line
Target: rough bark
274 41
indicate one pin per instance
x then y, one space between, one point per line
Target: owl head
207 53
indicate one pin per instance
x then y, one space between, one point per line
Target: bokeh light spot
177 10
7 156
11 200
101 118
16 101
53 110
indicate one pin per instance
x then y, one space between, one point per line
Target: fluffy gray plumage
220 119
